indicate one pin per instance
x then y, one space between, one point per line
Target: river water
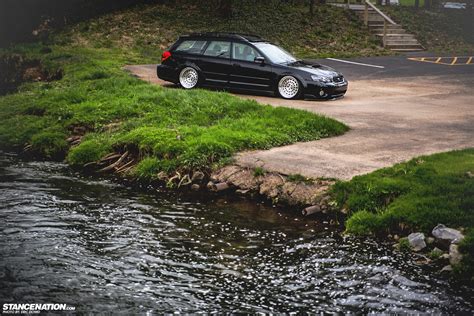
104 247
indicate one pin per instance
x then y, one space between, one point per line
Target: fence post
384 32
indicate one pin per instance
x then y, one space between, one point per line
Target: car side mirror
259 59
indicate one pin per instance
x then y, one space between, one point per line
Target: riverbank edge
295 193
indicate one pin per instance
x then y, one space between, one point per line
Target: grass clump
404 245
50 144
258 172
413 196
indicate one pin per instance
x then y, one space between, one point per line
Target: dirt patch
16 69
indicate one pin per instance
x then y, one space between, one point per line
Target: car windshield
276 54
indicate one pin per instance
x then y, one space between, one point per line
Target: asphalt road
401 66
403 110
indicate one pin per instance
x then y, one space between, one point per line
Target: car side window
218 49
191 46
244 52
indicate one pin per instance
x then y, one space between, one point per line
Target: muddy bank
16 69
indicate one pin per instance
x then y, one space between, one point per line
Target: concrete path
392 119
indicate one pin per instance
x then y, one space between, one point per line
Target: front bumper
321 90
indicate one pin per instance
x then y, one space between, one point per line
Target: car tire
289 87
188 78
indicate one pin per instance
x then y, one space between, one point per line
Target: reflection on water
103 247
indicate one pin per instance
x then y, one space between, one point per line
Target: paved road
406 109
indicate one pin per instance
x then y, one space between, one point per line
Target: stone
447 268
430 240
195 187
417 241
454 254
446 234
396 237
445 256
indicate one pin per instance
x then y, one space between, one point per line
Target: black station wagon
249 63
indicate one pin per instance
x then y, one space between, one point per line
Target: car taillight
165 56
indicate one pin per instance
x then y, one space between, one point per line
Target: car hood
315 69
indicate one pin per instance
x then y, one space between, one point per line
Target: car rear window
191 46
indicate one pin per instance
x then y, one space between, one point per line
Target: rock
454 254
417 241
197 176
242 192
430 240
445 256
470 174
447 268
446 235
210 185
396 237
271 186
195 187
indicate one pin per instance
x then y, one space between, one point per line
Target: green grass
150 29
414 196
444 31
184 130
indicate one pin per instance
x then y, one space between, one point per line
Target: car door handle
236 65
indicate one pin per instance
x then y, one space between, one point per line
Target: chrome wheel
188 78
288 87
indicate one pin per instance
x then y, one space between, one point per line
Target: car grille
338 79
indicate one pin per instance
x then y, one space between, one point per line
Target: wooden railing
386 20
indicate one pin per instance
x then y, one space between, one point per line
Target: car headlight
321 78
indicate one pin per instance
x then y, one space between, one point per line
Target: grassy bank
414 196
164 129
441 31
330 31
96 108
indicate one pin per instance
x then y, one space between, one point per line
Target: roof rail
243 36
